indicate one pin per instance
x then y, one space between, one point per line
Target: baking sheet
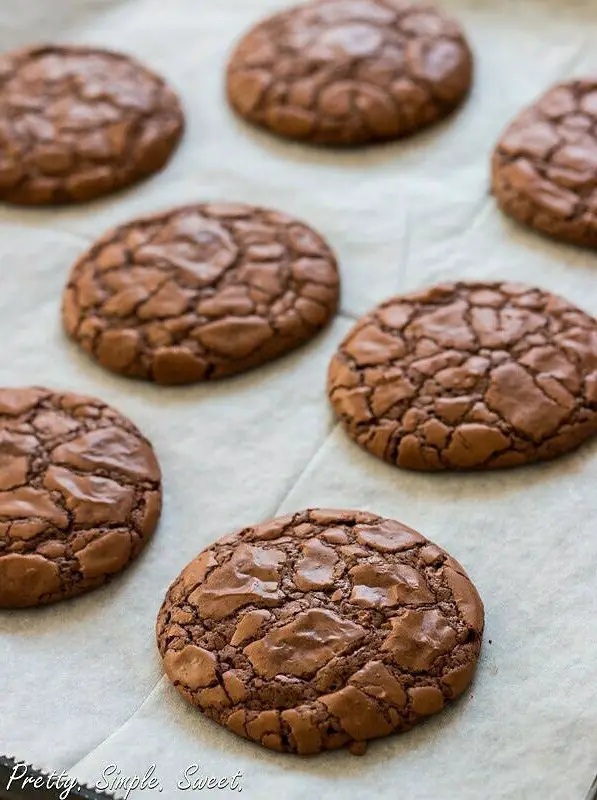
82 685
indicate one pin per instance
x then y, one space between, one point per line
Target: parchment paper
82 684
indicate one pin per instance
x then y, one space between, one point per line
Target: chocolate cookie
200 292
78 122
545 165
321 629
350 71
468 376
80 494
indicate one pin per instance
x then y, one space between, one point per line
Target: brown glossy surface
468 376
80 495
321 629
350 71
545 164
78 122
200 292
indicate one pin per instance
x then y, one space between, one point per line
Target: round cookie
80 494
348 72
468 376
200 292
321 629
79 122
545 164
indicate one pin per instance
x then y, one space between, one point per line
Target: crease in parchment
162 679
25 223
402 272
331 428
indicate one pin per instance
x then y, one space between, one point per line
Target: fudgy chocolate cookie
350 71
321 629
78 122
468 376
545 164
200 292
80 494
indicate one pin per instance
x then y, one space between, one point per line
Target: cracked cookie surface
320 630
468 376
200 292
350 71
80 494
545 165
78 122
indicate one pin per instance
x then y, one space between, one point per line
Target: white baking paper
82 685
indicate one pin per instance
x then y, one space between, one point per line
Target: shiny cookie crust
80 495
77 123
468 376
350 72
321 629
545 163
200 292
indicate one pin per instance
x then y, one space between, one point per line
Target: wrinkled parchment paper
82 685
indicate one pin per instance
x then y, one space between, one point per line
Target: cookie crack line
80 495
468 376
350 73
81 122
200 292
543 167
321 629
71 768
